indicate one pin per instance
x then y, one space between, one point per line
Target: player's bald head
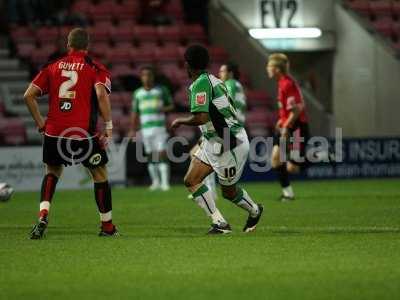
78 39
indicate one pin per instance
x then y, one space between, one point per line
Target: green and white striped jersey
209 94
236 92
148 104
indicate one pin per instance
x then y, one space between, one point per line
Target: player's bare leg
49 183
203 196
241 198
281 167
103 199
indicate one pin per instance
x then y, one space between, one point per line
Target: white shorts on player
229 165
154 139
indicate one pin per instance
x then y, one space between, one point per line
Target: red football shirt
289 95
70 82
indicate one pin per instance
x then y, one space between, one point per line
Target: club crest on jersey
65 105
201 98
95 159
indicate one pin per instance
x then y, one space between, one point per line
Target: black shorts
304 132
62 151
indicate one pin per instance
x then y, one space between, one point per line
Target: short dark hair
197 57
148 68
234 68
78 39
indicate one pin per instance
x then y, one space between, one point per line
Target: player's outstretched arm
105 108
195 119
30 97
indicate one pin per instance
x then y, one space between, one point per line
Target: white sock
288 191
163 167
153 172
106 217
209 181
204 198
244 201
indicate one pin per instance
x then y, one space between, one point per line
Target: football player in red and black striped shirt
292 118
78 90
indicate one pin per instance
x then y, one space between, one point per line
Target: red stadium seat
396 30
146 35
181 97
123 33
384 26
396 8
194 34
47 34
99 33
127 10
142 56
169 35
64 31
81 7
122 70
24 50
381 8
174 8
2 108
167 56
13 131
41 55
257 98
102 11
218 54
99 49
23 34
360 6
119 55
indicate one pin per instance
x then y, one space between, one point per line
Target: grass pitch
339 240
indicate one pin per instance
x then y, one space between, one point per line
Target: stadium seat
256 98
46 34
41 55
141 56
167 56
123 33
24 50
128 10
381 8
119 55
218 54
384 26
194 34
81 7
360 6
23 34
396 9
99 49
146 35
13 131
122 70
2 108
181 97
102 11
99 33
174 8
396 30
64 31
169 35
